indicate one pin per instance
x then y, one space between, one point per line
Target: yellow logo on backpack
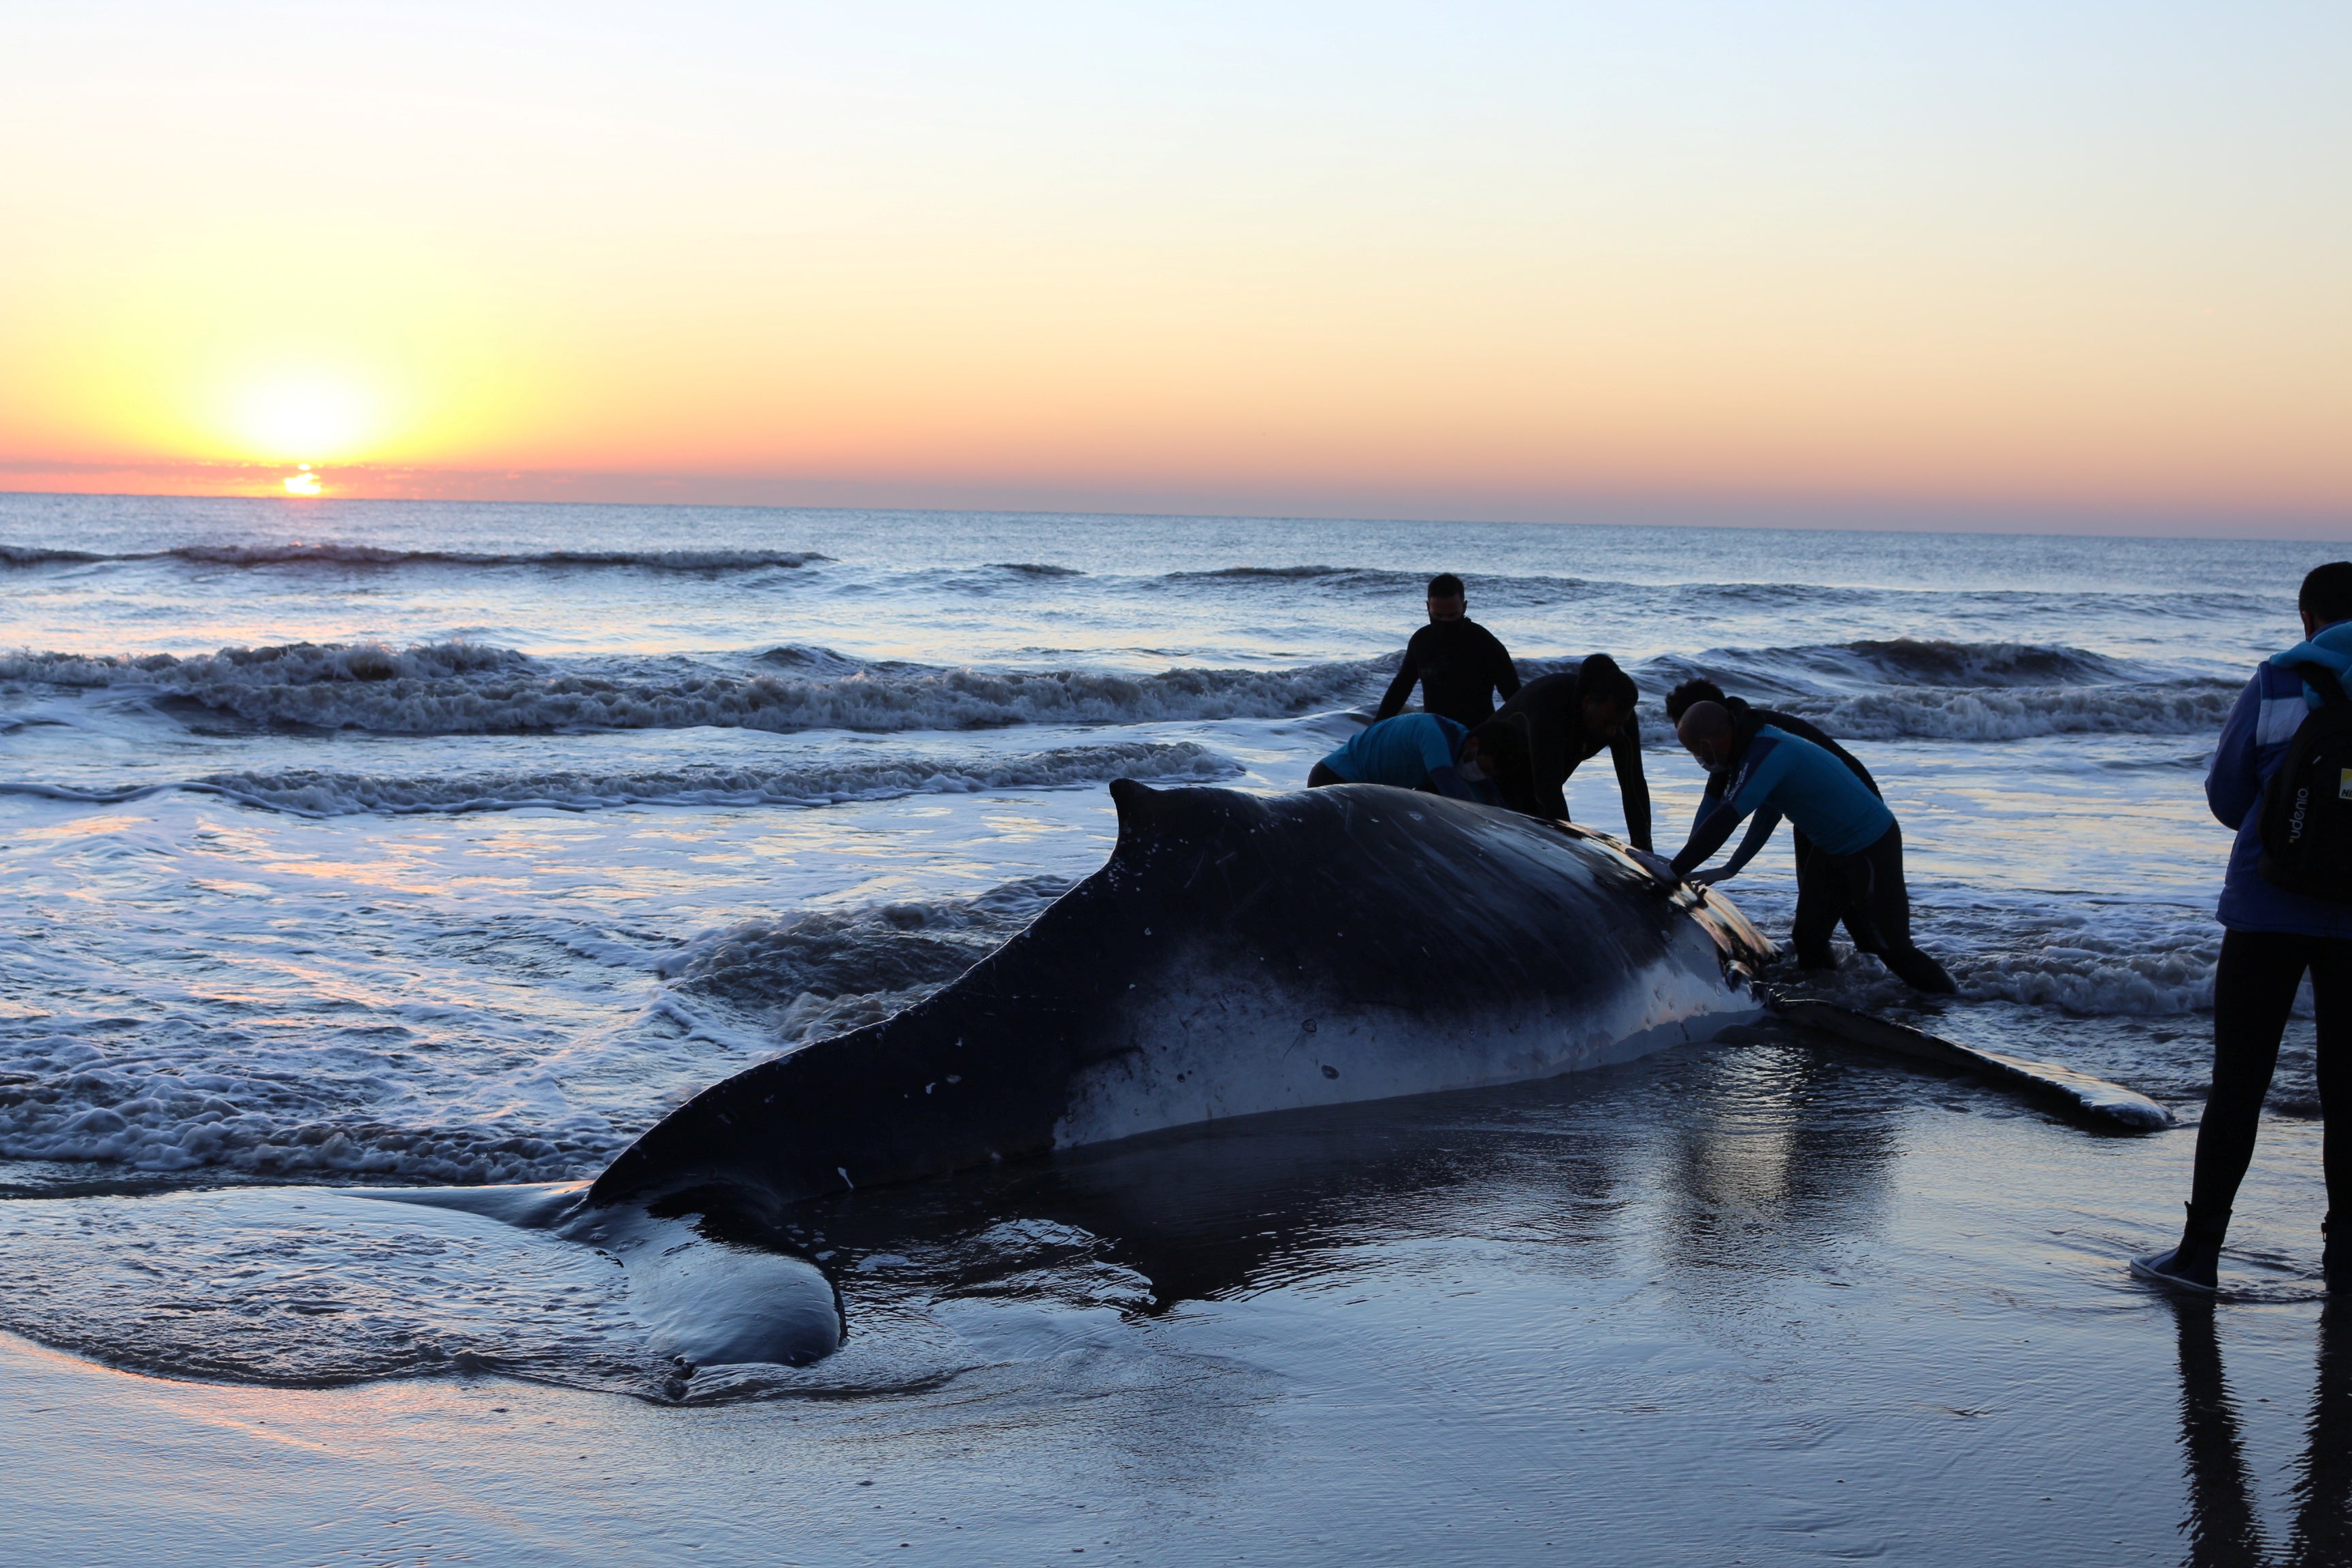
2344 789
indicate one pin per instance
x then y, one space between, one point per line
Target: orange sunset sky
1991 262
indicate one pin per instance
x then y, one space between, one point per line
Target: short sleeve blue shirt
1402 751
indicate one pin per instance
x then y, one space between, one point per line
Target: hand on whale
1237 954
1657 866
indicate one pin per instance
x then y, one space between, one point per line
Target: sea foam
320 792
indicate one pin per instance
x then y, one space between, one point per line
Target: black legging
2253 992
1866 891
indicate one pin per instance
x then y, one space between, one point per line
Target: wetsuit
1459 665
1558 741
2271 937
1745 721
1854 871
1414 751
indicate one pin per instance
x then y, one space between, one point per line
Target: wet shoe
2195 1264
2168 1267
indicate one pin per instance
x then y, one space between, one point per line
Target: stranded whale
1237 954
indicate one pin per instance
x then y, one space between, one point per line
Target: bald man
1854 872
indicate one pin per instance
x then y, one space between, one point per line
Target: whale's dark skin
1238 954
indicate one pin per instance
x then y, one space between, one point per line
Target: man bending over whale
1570 717
1853 870
1488 765
1745 721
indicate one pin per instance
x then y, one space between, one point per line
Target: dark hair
1600 677
2326 596
1698 688
1445 585
1502 742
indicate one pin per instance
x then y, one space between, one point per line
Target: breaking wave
826 972
1907 689
313 792
34 555
457 688
173 1106
2104 963
371 1098
1901 661
377 555
288 665
2187 707
1869 690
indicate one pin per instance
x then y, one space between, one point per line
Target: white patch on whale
1213 1044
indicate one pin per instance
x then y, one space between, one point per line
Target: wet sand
1776 1302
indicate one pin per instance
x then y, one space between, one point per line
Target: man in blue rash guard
1854 870
1746 721
1427 752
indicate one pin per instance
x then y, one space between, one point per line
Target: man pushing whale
1854 871
1486 766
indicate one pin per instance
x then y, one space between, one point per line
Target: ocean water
373 843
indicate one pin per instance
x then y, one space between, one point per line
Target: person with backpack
2282 778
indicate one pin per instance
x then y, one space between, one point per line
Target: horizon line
1809 514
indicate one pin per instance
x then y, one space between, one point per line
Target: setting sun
305 483
301 419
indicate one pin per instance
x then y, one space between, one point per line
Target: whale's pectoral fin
2078 1094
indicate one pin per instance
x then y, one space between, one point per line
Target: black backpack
2307 806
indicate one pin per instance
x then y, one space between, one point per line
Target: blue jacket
2253 743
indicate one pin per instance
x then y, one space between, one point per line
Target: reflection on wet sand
2224 1525
1696 1161
1778 1158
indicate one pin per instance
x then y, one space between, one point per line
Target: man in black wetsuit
1457 663
1745 721
1570 716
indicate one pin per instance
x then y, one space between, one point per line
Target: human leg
1889 920
1826 889
2331 996
2254 991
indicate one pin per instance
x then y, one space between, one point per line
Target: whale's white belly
1219 1042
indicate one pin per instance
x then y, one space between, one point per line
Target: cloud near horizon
2019 262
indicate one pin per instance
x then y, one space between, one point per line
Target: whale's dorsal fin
1185 814
1133 800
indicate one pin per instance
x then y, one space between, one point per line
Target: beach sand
1772 1302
